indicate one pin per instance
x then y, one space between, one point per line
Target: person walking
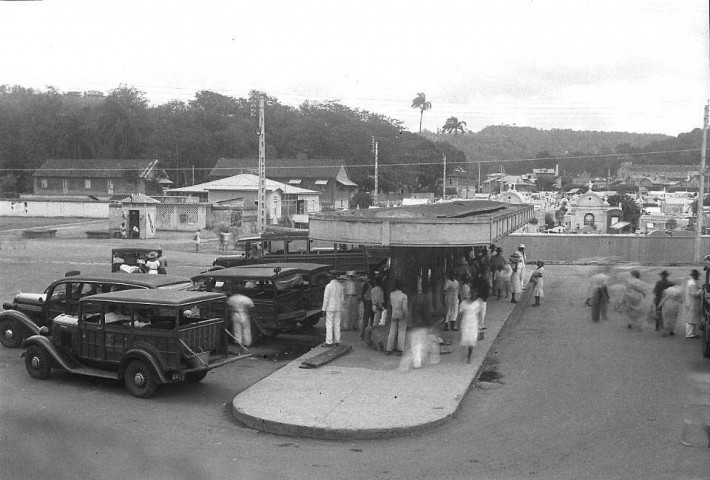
197 238
599 295
451 301
368 315
634 294
504 276
398 318
670 307
378 301
163 264
516 286
333 300
521 266
351 310
240 306
483 290
692 305
658 289
538 289
469 316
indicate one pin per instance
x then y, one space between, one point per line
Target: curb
294 430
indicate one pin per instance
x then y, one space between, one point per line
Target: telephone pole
377 175
261 198
443 184
701 193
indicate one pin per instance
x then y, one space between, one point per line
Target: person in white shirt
692 305
152 264
333 300
241 323
398 318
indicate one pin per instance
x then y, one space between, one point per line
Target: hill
513 147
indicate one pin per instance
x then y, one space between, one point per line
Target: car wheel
706 342
9 336
194 377
38 362
310 322
139 379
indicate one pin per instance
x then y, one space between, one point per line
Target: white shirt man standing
333 300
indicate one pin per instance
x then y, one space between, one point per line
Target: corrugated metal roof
94 168
455 209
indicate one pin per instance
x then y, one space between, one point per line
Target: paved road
572 400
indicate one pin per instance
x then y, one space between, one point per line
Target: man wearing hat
658 289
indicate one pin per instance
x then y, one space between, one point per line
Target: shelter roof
457 223
137 198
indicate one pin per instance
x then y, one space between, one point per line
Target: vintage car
131 257
144 337
284 295
293 245
29 311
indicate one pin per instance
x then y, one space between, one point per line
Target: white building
282 200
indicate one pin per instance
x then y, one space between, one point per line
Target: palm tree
454 125
421 103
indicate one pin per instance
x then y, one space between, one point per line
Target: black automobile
29 311
144 337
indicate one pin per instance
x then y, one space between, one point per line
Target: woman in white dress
470 310
536 277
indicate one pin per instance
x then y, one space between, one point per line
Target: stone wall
572 248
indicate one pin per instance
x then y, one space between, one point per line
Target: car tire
38 362
139 379
310 322
194 377
9 335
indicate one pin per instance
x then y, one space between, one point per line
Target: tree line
190 136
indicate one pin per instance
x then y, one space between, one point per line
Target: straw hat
152 255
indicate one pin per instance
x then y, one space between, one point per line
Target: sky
610 65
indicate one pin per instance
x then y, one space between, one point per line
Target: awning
619 225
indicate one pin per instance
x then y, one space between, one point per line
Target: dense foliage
190 136
520 149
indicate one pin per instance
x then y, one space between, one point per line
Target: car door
56 302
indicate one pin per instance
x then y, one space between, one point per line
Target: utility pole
261 197
478 189
701 193
443 184
377 174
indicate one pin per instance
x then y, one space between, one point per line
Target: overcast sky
622 65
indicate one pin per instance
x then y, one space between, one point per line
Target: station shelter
425 241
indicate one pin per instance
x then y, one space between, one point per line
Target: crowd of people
350 303
660 306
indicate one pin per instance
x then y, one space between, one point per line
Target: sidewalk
365 394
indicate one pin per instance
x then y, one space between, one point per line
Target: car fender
22 322
149 358
46 343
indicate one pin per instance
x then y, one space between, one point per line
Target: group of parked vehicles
147 330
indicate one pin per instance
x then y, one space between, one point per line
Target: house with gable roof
99 178
241 192
327 176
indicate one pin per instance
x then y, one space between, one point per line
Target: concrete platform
365 394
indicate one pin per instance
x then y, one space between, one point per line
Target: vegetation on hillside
520 149
184 135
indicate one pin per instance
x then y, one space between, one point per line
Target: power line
368 165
